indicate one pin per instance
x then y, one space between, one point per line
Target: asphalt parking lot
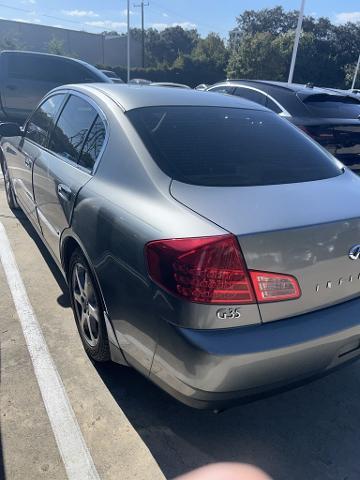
130 427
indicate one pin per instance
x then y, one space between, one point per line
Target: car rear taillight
202 270
212 270
273 287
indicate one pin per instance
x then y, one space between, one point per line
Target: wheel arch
68 244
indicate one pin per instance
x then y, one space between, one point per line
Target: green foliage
184 70
259 56
163 47
264 46
262 49
211 49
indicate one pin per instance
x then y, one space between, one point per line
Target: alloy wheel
86 304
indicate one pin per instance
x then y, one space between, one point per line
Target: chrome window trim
99 111
283 113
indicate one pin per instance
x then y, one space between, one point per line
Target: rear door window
252 95
332 106
42 120
93 144
220 146
72 128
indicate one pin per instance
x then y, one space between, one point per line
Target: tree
212 49
262 49
164 47
258 57
270 20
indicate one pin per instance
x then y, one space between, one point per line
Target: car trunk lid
303 229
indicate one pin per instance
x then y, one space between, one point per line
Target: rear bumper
214 368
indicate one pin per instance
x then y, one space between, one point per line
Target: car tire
10 194
88 309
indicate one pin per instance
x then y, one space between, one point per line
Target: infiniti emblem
354 253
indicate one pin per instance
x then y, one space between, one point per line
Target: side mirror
10 129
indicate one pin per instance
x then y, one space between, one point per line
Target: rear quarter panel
124 206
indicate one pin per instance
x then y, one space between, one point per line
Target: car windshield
333 106
219 146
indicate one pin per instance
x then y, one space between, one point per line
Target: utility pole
296 42
355 73
128 41
142 5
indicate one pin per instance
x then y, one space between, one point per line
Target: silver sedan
206 242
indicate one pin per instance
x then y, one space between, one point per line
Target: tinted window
229 146
222 89
272 105
72 128
333 106
48 69
93 144
251 95
42 120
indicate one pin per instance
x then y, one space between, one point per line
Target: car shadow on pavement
310 432
64 299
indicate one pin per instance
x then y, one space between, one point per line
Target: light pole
128 40
296 42
356 73
142 5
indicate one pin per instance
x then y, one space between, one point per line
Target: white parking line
73 450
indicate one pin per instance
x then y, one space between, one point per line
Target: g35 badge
228 313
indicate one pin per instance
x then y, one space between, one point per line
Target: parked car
206 242
25 77
331 118
139 81
202 87
169 84
112 75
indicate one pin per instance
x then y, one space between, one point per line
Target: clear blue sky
206 15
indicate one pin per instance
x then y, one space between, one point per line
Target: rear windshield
219 146
333 106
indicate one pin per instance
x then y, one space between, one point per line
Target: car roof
95 70
129 97
306 89
169 84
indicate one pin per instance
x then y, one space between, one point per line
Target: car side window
43 68
223 89
73 72
41 122
71 130
272 105
252 95
93 144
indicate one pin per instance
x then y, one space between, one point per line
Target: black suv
331 118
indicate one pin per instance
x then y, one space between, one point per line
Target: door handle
11 87
64 191
28 162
